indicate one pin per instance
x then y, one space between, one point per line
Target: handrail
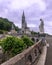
22 56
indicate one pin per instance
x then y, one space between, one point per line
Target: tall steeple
23 14
25 29
24 24
23 17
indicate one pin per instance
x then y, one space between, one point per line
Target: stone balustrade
28 56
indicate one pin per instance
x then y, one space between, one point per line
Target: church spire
24 24
23 15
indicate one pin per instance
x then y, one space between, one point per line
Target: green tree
6 25
12 46
27 41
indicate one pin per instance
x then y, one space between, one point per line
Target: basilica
25 29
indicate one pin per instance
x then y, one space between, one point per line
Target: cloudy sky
34 10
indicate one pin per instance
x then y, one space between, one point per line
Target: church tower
13 31
25 29
41 27
13 27
24 24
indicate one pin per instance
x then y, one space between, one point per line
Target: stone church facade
25 29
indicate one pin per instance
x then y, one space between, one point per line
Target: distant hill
6 25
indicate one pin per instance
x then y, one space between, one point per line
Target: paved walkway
49 53
42 56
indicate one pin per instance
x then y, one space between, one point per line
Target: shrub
27 41
1 32
12 46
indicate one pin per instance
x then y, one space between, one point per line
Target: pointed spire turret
23 18
23 15
24 24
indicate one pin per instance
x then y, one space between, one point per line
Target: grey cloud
31 12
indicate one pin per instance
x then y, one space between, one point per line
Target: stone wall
27 57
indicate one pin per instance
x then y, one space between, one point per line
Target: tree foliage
12 45
34 33
27 41
6 25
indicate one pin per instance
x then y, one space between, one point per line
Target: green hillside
6 25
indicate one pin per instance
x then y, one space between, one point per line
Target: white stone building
25 29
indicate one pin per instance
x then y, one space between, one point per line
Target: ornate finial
23 14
